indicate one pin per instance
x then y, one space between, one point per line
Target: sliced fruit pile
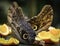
5 30
9 41
53 34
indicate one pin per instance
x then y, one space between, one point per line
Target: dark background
31 8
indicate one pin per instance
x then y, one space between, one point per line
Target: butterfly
26 29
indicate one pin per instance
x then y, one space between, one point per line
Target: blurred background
31 8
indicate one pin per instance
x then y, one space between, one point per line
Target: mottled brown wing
20 27
43 20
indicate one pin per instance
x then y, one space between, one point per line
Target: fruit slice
55 34
9 41
54 31
54 38
5 30
43 35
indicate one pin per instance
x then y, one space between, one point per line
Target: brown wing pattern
43 20
20 27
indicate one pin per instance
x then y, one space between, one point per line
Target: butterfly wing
43 20
20 27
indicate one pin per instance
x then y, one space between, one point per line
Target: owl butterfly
26 29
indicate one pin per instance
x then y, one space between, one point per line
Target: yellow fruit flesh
54 38
52 34
44 35
55 32
5 30
9 41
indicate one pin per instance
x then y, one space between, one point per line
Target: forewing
43 20
19 25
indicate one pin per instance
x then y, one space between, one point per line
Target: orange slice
54 38
53 34
9 41
5 30
13 40
43 35
54 31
